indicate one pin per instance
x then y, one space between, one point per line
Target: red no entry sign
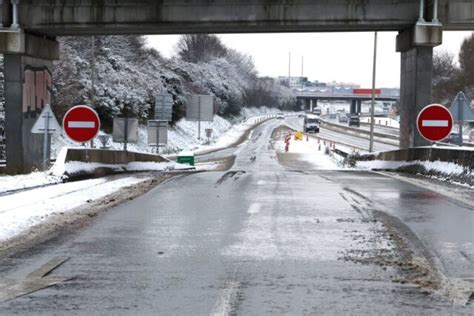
434 122
81 123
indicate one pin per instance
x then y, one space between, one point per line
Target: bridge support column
353 109
358 106
307 103
28 87
416 47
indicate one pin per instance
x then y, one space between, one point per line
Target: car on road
343 118
280 116
454 138
354 120
317 111
311 123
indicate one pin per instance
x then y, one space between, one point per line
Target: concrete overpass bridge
310 99
29 29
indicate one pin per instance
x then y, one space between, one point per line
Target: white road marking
224 302
434 123
228 294
81 124
254 208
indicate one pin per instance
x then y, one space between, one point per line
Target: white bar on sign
434 123
81 124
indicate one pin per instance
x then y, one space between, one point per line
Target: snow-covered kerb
446 162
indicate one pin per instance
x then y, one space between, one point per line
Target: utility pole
289 68
302 65
372 107
93 80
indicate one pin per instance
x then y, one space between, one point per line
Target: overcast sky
345 57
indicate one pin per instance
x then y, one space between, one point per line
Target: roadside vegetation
128 75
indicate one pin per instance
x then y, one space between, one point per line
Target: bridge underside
71 17
29 45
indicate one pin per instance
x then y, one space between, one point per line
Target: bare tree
446 81
196 48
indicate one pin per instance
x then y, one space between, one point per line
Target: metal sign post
200 108
208 135
45 140
125 136
157 133
461 111
46 124
372 106
199 118
125 130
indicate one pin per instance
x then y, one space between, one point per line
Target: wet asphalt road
263 238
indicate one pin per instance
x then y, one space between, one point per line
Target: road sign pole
199 117
372 106
158 139
125 136
45 141
460 122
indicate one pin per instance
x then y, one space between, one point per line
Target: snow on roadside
184 135
20 211
19 182
310 151
449 170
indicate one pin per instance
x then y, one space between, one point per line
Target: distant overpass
309 99
29 29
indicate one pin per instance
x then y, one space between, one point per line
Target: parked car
280 116
454 138
354 120
343 118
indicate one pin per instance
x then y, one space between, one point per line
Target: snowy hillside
182 136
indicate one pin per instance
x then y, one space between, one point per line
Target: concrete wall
28 89
72 17
458 156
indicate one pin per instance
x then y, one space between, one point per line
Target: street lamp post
372 107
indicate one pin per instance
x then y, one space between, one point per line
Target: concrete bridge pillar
358 106
353 109
28 88
416 47
308 104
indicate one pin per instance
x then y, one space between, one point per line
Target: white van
311 123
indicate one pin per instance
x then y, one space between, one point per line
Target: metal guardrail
360 131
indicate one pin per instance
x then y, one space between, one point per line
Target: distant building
294 81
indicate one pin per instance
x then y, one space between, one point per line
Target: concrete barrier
448 163
80 163
462 157
109 157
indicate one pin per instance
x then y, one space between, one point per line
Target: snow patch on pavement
310 151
